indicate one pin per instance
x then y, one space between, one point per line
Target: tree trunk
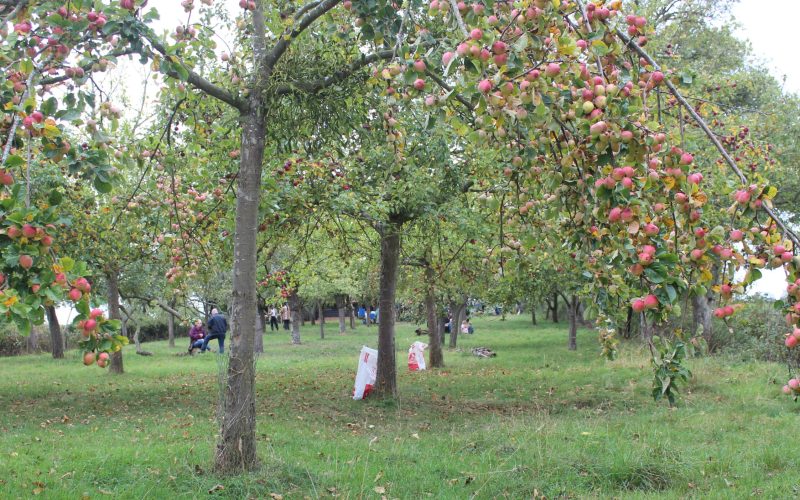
113 313
646 330
321 320
294 308
626 330
573 323
435 333
302 310
351 312
340 309
56 338
236 449
136 340
258 345
702 316
386 383
171 325
457 312
555 307
533 314
32 342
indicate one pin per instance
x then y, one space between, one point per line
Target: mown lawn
535 420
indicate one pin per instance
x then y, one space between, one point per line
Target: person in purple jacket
196 335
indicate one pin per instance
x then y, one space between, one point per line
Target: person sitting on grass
466 327
196 335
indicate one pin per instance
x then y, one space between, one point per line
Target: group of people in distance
465 328
217 328
285 315
363 314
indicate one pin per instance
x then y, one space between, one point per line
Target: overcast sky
769 25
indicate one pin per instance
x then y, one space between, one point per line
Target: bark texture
351 312
294 308
702 316
56 337
574 305
435 333
554 308
457 310
340 308
321 320
258 342
171 326
236 449
386 383
112 278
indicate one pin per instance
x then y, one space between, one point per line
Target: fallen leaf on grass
380 490
216 488
378 476
415 436
275 496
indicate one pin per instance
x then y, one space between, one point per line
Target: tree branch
158 302
198 81
436 78
86 67
303 19
314 86
707 130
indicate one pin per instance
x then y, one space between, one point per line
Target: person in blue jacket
362 314
217 327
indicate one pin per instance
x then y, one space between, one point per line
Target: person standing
286 316
273 318
217 327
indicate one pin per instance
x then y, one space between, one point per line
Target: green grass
536 420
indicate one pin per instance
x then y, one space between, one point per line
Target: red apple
26 261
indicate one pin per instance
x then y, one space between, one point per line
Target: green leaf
55 198
665 384
671 293
653 276
183 73
14 161
69 115
23 325
82 306
67 264
101 186
49 106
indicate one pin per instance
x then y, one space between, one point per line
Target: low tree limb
303 19
314 86
198 81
